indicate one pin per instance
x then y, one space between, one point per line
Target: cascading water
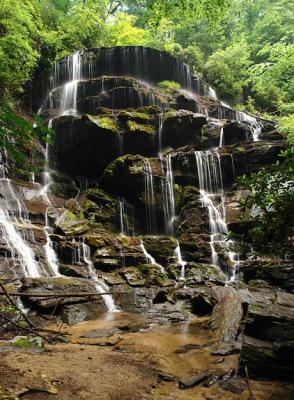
149 199
168 197
68 106
180 261
68 102
127 226
100 285
20 251
150 259
211 189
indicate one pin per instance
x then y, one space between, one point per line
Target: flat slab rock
55 286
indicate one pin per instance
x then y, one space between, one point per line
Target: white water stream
100 285
213 198
150 259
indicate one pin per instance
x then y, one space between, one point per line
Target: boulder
268 346
236 132
199 274
84 145
62 286
226 317
181 128
162 248
275 272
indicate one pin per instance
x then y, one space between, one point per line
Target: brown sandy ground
119 359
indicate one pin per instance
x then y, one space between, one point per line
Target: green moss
26 342
135 127
131 164
169 85
134 115
105 122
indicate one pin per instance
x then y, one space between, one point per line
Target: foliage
271 203
171 85
17 134
20 30
273 79
228 69
286 127
123 32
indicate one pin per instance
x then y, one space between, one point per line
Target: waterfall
16 243
68 102
180 261
254 125
9 220
168 197
127 226
221 137
100 285
211 188
212 93
160 127
150 259
149 198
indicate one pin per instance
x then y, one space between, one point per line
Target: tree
227 70
271 199
20 33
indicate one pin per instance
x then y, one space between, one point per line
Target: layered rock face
138 194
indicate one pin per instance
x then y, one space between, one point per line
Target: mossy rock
100 209
203 273
162 248
27 342
145 275
134 115
128 164
135 127
71 225
105 122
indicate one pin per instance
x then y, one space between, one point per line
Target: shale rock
56 286
268 346
277 273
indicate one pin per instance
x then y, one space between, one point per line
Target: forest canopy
243 48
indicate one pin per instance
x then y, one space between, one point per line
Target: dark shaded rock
272 135
192 381
270 322
266 359
75 313
250 157
125 176
181 128
165 377
121 97
268 346
236 132
62 286
80 144
201 305
277 273
162 248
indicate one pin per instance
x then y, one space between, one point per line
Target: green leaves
18 134
21 26
271 204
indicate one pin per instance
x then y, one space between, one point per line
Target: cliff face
136 198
